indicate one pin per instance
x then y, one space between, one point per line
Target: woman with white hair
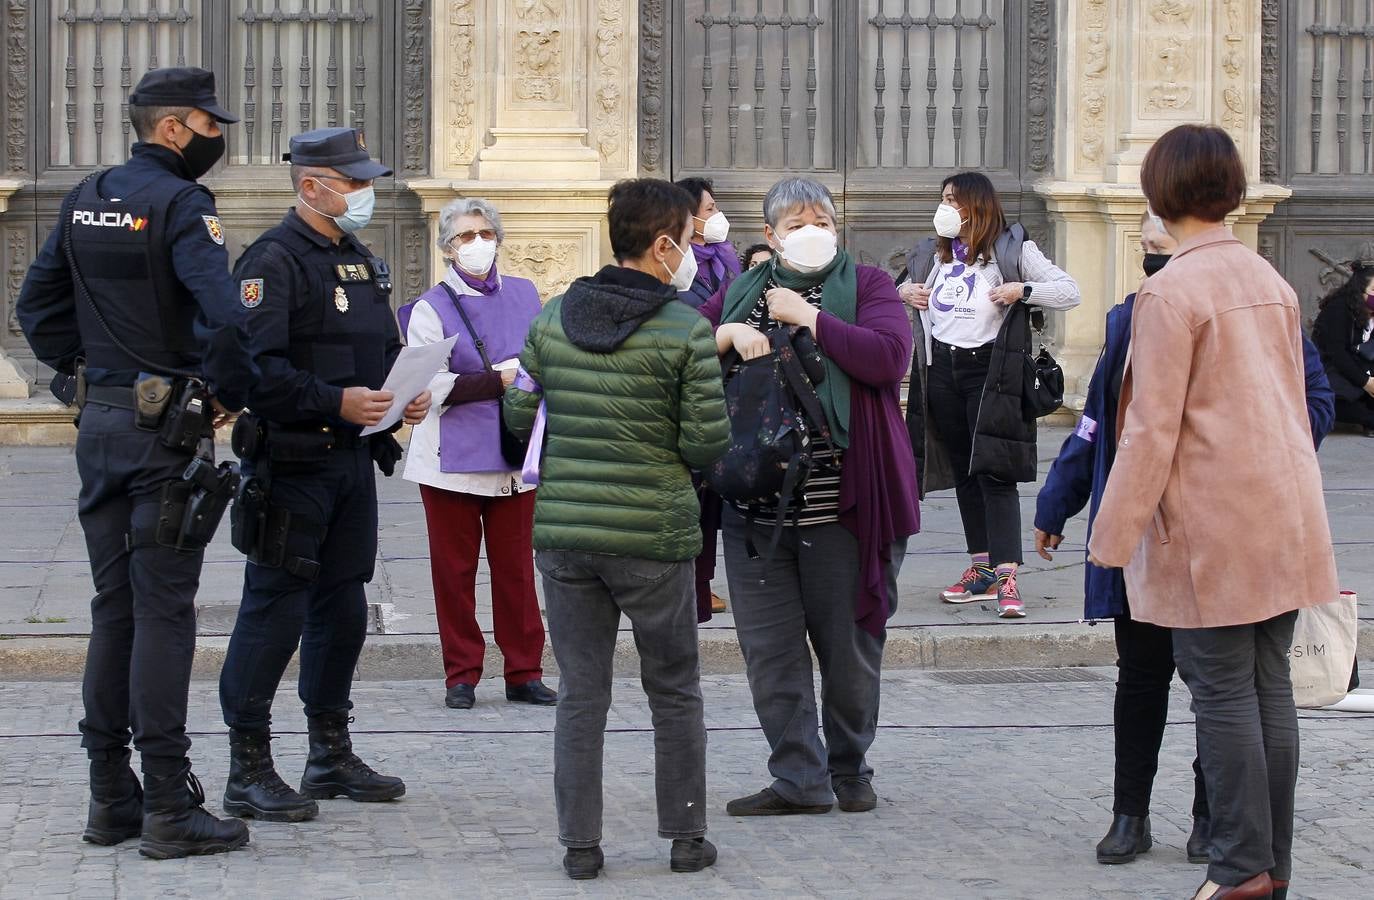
468 468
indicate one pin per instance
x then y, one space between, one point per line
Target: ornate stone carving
1172 12
537 56
1171 64
1268 247
17 250
415 85
1040 25
607 120
653 18
416 278
1269 91
1092 106
1233 112
460 125
16 85
550 264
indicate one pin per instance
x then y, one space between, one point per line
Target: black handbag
513 449
1042 384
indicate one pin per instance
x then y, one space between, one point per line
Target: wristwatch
1025 292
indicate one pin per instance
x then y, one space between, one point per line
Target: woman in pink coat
1214 505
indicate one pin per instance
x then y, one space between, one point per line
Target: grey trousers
584 595
806 591
1247 740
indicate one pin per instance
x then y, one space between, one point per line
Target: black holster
261 531
189 510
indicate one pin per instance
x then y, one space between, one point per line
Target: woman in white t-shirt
964 302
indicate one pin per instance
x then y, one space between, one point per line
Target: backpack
772 405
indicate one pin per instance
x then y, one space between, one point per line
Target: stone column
14 381
1129 70
535 112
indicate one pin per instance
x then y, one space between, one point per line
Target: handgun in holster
262 531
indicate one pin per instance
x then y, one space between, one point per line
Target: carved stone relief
16 27
1092 96
609 65
550 264
1040 24
1233 93
1269 90
653 17
1171 68
461 90
17 252
415 86
416 271
537 54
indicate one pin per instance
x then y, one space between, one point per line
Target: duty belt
119 396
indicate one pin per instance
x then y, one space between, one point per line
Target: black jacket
1337 335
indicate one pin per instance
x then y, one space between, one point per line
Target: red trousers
456 526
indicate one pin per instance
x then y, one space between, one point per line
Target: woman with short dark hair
1223 547
717 264
1344 333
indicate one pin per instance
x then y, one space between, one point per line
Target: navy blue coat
1079 475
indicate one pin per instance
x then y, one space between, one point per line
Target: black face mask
1155 261
201 152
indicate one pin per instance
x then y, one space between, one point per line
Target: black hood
600 312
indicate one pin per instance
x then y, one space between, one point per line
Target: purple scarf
719 260
486 285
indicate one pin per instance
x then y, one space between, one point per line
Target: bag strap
797 381
477 341
65 223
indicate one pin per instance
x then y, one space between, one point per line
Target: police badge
250 292
340 299
216 230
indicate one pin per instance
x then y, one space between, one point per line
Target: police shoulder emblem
250 292
216 230
340 299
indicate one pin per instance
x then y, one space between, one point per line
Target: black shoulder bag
512 448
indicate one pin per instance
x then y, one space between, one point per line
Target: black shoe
533 693
460 696
583 863
175 822
692 855
767 802
855 795
1128 837
1200 841
254 789
115 812
1369 432
333 768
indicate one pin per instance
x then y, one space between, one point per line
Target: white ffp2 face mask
809 247
948 222
476 256
715 229
686 273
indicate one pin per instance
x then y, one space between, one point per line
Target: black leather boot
333 768
1128 837
116 808
175 822
254 789
1200 841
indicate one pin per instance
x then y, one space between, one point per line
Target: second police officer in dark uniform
317 306
130 301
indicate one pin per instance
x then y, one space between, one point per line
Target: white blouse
422 457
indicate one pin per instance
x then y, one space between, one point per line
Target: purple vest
469 433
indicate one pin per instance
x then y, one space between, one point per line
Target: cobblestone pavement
987 790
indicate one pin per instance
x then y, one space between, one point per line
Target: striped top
820 503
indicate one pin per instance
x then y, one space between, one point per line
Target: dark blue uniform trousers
143 615
326 617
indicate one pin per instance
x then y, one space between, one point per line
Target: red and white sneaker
1009 605
978 582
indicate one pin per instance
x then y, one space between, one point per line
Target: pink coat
1214 506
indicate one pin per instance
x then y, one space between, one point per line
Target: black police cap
341 149
180 86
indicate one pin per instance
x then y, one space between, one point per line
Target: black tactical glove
386 452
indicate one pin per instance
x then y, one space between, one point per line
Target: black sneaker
460 696
767 802
856 795
1200 841
692 855
583 863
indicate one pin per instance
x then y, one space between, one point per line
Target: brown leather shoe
717 603
1258 887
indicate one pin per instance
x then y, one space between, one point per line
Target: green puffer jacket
633 387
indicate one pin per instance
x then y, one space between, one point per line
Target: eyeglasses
467 237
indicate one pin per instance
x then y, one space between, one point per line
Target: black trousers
1359 411
327 617
143 615
1145 668
989 507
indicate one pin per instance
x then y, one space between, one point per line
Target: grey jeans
806 591
584 595
1247 740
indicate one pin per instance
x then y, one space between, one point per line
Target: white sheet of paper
410 376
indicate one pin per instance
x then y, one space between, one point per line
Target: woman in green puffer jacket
632 386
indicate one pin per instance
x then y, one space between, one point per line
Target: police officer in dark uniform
317 306
131 302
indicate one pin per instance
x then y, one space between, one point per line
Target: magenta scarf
486 285
719 259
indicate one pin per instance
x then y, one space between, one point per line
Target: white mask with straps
715 229
681 280
948 222
809 248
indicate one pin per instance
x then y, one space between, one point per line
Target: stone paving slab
996 791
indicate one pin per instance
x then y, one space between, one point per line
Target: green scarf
838 297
